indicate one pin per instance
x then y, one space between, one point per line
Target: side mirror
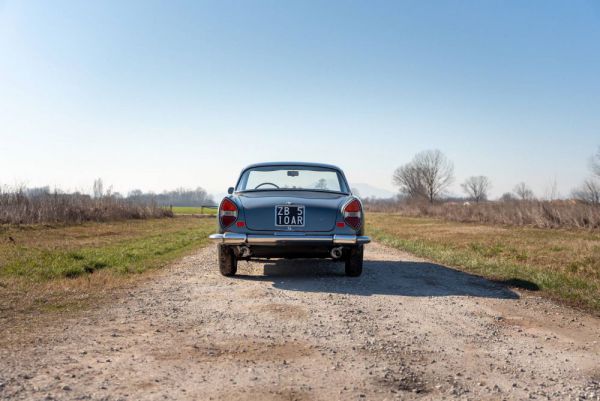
230 190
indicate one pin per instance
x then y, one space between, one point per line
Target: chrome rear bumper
283 239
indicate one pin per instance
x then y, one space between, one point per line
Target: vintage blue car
291 210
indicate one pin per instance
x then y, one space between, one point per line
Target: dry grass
542 214
194 210
562 263
66 267
16 207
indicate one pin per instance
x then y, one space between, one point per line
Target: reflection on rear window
291 177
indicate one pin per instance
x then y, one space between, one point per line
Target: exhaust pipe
336 253
244 252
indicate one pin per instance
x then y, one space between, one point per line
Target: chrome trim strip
280 239
344 239
257 239
229 238
233 238
363 239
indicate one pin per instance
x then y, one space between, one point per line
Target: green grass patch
563 264
67 268
122 248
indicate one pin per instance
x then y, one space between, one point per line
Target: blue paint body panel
321 212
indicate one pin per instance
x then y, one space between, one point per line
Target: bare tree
98 188
408 179
477 187
436 170
428 175
508 197
135 194
595 163
552 190
523 191
589 192
321 184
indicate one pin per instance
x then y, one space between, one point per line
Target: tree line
176 197
429 174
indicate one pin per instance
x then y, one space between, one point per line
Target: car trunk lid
320 209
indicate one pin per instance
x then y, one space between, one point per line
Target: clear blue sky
156 95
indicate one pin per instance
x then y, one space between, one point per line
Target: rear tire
227 260
354 262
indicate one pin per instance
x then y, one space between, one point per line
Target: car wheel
227 260
354 262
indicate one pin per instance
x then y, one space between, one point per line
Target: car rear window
271 178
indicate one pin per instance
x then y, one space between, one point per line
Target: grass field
564 264
182 210
55 265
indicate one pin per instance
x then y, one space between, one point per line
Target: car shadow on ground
417 279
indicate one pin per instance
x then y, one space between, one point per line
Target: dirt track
406 329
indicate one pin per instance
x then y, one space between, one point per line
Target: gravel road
300 330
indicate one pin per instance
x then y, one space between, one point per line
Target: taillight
352 214
228 213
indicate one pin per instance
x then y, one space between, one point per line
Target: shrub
20 207
543 214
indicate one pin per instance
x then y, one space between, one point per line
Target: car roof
306 164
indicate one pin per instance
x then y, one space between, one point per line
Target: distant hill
369 191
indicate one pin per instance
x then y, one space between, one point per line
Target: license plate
289 216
